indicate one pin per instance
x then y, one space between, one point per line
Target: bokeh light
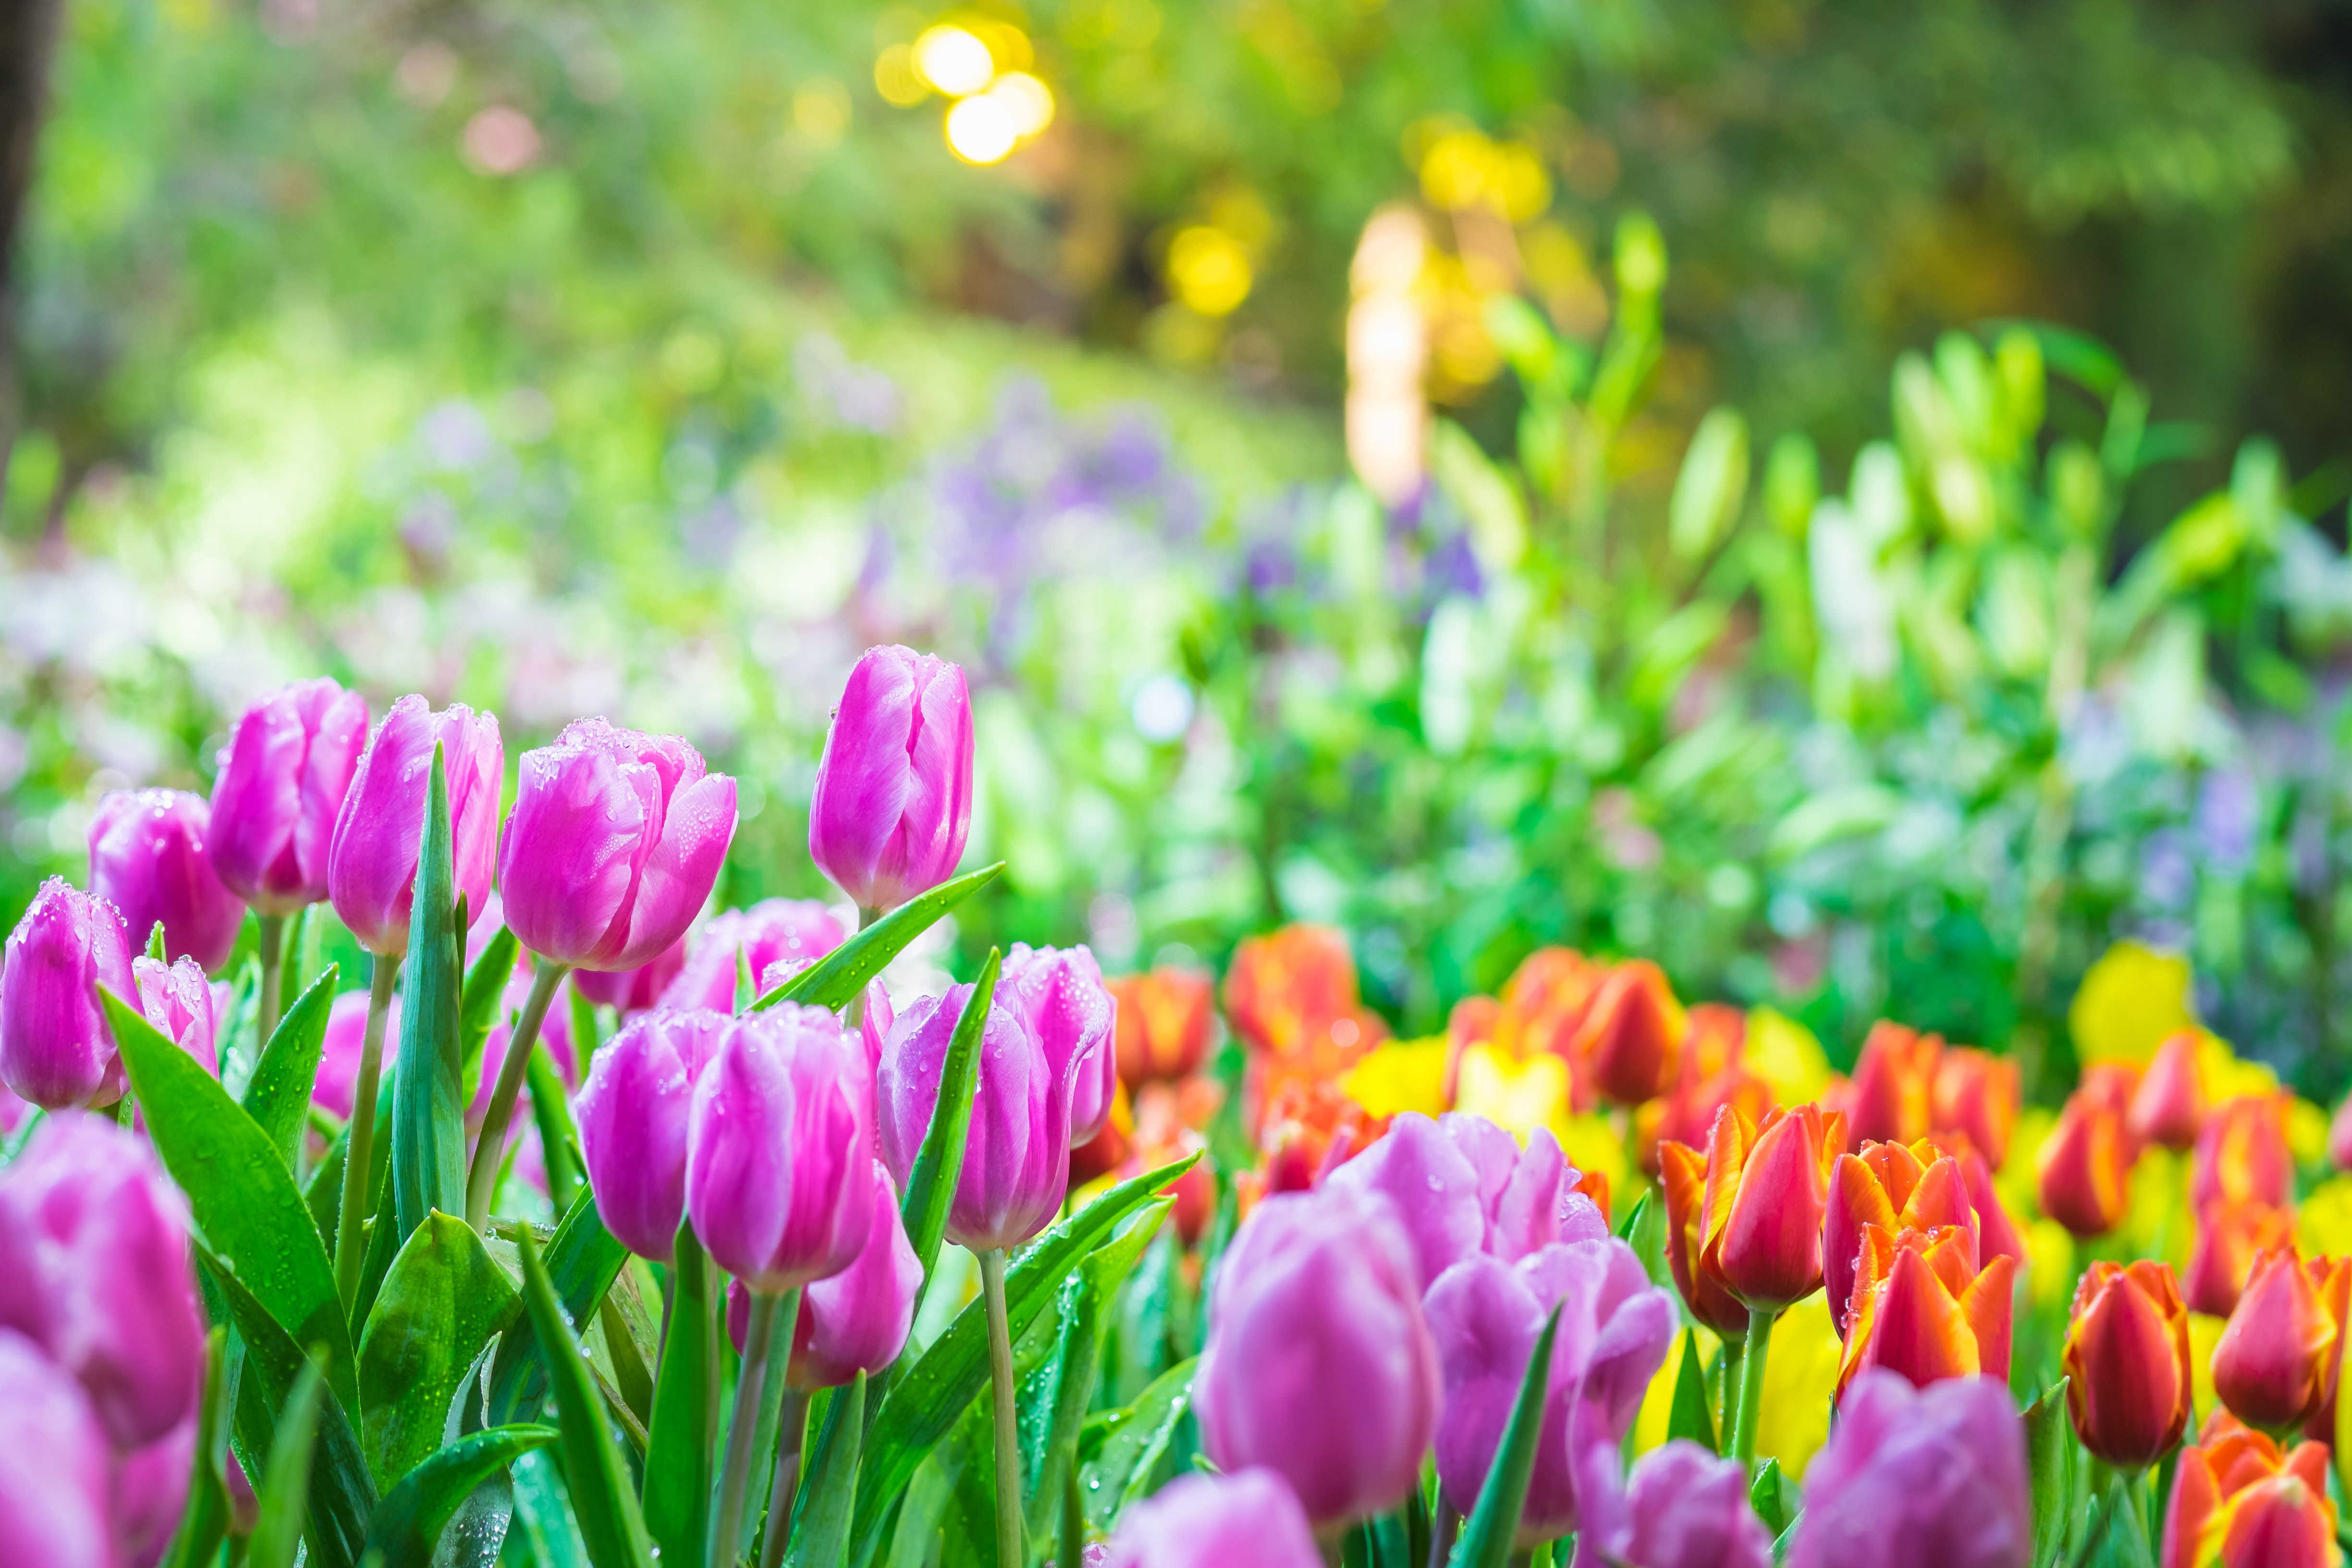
953 60
982 128
1030 100
1209 269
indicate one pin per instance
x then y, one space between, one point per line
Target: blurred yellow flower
2204 1333
1592 1143
1403 1075
2227 1075
2016 1181
1519 1096
2155 1213
2048 1263
2323 1224
2131 1000
1800 1369
2307 1131
1784 1053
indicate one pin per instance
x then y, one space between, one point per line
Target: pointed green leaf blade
277 1095
441 1300
1689 1417
2050 1468
583 1259
602 1498
1494 1522
939 1165
408 1523
1769 1496
1121 1449
677 1449
428 1107
286 1484
832 981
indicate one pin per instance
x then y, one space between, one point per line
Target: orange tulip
1976 1094
2228 1237
2275 1364
1544 1002
2169 1107
1473 1022
1294 990
1922 1307
1767 1192
1683 1175
2127 1361
1310 1129
2242 1156
2237 1501
2085 1162
1166 1019
1892 1099
1709 1077
1897 1189
1627 1043
1996 1232
1107 1149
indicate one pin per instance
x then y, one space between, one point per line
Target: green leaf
204 1525
428 1106
1494 1522
1690 1417
286 1484
551 1107
820 1513
1769 1496
678 1450
1645 1231
277 1096
584 1260
1053 1404
324 1195
542 1515
483 1000
440 1302
832 981
939 1165
1120 1451
241 1193
383 1241
2050 1468
594 1473
408 1523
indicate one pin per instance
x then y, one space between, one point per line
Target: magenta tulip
1486 1316
638 990
149 1493
790 931
634 1113
147 858
1433 1187
179 1003
1529 1198
94 1268
54 1464
893 799
1319 1365
339 1060
1016 1160
554 1035
281 782
1062 1001
1912 1476
56 1048
1250 1519
778 1144
1682 1508
613 846
380 830
857 1321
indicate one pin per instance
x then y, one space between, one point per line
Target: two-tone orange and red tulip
1765 1196
1166 1019
1683 1176
1922 1307
2227 1237
2243 1154
1892 1098
1631 1033
2275 1364
1896 1188
1710 1075
2084 1166
2238 1502
2127 1362
2169 1107
1544 1002
1976 1095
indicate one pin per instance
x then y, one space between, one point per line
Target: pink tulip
791 932
94 1268
1529 1198
857 1321
778 1145
1433 1186
1062 1001
380 828
147 858
1681 1507
149 1492
613 846
1016 1161
339 1060
1249 1519
281 782
1913 1478
54 1505
178 1004
56 1048
554 1034
893 799
1319 1365
634 1114
638 990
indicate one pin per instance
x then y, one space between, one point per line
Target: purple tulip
1319 1365
893 800
1249 1519
1682 1508
179 1003
554 1034
281 782
147 858
339 1060
1529 1198
634 1113
1016 1160
380 830
638 990
1486 1316
53 1462
793 931
614 844
778 1143
94 1268
56 1050
1433 1187
857 1321
1060 998
1915 1477
151 1494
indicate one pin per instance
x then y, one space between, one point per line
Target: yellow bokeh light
1209 271
982 130
1030 100
953 60
895 77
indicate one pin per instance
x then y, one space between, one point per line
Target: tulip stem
359 1145
271 952
1751 1384
743 1430
791 1426
1008 1440
491 1148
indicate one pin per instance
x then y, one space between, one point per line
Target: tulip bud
778 1142
150 1494
94 1268
1710 1076
175 999
1975 1096
1892 1099
1249 1519
2238 1502
638 990
1896 1189
2127 1362
1432 1187
53 1463
1319 1365
2229 1236
56 1048
147 858
1913 1478
1683 1179
634 1113
788 932
281 782
1289 991
1767 1196
2243 1154
1527 1198
1545 1002
1059 996
2169 1107
2275 1366
1016 1160
2085 1162
857 1319
893 798
1486 1316
1310 1129
1681 1507
1166 1019
380 828
339 1057
1628 1040
1922 1307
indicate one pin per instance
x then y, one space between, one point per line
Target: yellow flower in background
2048 1263
2204 1333
1519 1096
2226 1074
1403 1075
2155 1211
2323 1225
2130 1001
2306 1132
1800 1369
1592 1143
2016 1181
1784 1054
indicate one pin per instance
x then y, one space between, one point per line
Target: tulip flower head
2238 1502
893 798
1710 1076
2243 1154
2127 1362
1892 1096
1544 1004
281 782
54 1463
1896 1188
2084 1165
1922 1307
638 990
857 1319
1680 1507
2229 1236
1432 1187
56 1047
1248 1518
1684 1181
1289 991
1529 1198
1627 1043
1975 1096
147 858
1766 1194
1926 1477
1064 1004
2275 1364
791 932
635 1113
178 1002
2169 1107
1310 1129
380 828
1166 1021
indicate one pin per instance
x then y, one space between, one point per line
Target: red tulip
1545 1002
1976 1094
1310 1129
2238 1502
2275 1364
1166 1020
2127 1361
2229 1236
2085 1162
2241 1153
1286 991
1629 1036
1896 1189
1892 1096
2168 1107
1683 1177
1922 1307
1767 1192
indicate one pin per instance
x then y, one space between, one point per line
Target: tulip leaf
2050 1470
821 1512
924 1403
542 1515
595 1475
550 1109
1769 1496
1055 1401
383 1243
440 1302
1689 1417
678 1443
428 1106
204 1524
939 1165
241 1193
1119 1450
323 1195
277 1095
1645 1231
482 1001
582 1260
1494 1522
832 981
286 1483
408 1523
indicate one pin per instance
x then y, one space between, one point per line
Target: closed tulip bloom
638 990
1529 1198
2084 1164
55 1048
857 1319
1431 1186
147 858
1287 989
1896 1188
1681 1507
893 798
150 1494
2243 1154
1922 1307
1166 1020
788 932
1767 1196
339 1056
2227 1237
2238 1502
1927 1478
2169 1107
1710 1076
1249 1519
1683 1178
281 782
2275 1366
1631 1033
1544 1001
1061 999
2127 1362
634 1112
94 1268
1893 1098
177 1001
380 830
1976 1095
54 1464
